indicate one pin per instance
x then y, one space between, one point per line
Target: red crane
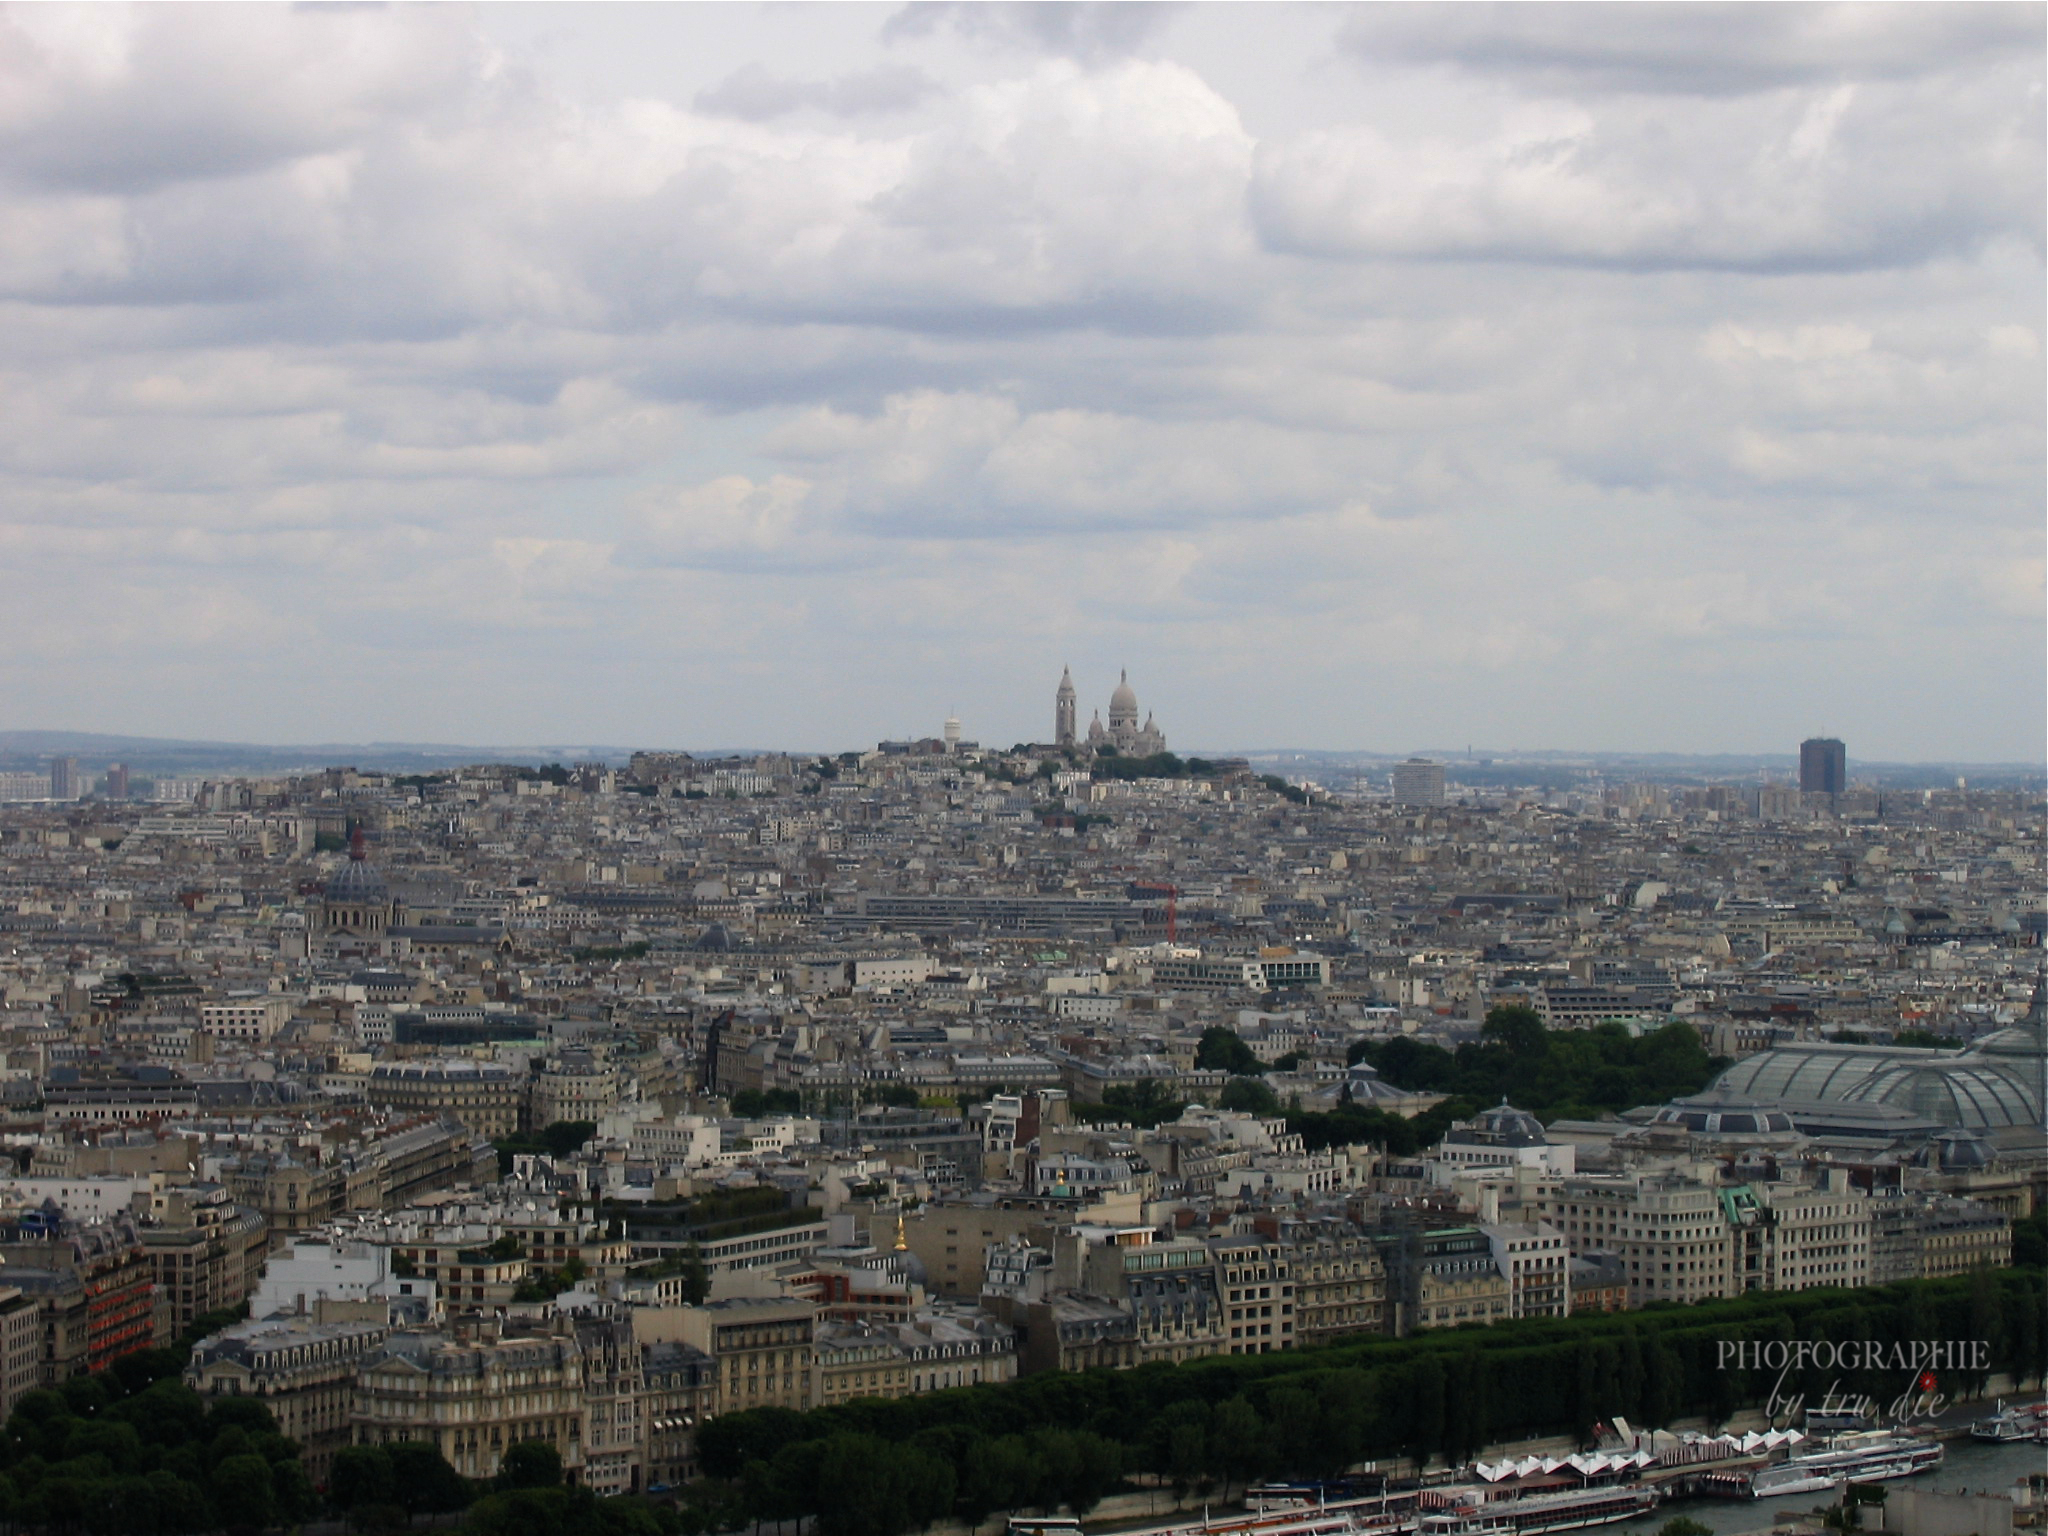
1172 902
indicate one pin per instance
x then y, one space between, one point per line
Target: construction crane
1172 903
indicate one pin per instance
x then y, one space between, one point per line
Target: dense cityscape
554 1123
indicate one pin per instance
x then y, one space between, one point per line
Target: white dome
1125 700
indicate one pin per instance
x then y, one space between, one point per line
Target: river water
1969 1465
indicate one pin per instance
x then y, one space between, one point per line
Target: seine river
1970 1465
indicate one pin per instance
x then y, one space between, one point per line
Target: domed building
357 904
1123 732
1999 1086
1504 1137
1716 1114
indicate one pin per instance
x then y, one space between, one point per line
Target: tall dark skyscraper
1823 766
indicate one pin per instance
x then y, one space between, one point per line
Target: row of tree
1312 1413
120 1455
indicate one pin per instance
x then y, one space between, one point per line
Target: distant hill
1551 769
156 756
162 756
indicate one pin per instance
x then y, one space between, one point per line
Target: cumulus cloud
1667 348
1834 181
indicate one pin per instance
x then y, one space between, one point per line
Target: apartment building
1669 1229
574 1087
94 1287
250 1020
613 1435
1536 1262
301 1367
486 1097
206 1251
1256 1277
1953 1237
858 1359
21 1348
1816 1236
760 1348
307 1273
472 1395
1441 1277
1340 1282
678 1385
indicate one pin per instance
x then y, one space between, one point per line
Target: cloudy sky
1624 377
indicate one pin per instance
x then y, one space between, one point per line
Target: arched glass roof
1813 1074
1955 1093
1975 1091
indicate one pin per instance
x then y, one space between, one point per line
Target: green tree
869 1491
1248 1095
696 1277
1145 1103
530 1464
1517 1027
242 1491
425 1482
1234 1440
1221 1050
563 1137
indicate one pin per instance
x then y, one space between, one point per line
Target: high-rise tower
1064 709
1823 766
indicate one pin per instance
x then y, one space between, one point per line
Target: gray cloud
756 95
1091 31
1697 49
1499 387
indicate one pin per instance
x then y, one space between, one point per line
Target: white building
318 1269
91 1199
251 1020
1419 782
1537 1262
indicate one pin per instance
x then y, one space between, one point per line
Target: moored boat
1875 1457
1538 1514
2012 1425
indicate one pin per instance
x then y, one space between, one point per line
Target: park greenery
760 1103
1554 1074
559 1139
1112 764
878 1467
1145 1104
1567 1073
1574 1073
637 950
1286 791
1222 1050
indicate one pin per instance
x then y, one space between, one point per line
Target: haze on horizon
1664 379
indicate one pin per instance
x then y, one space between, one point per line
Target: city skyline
1355 379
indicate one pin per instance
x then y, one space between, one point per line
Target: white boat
1538 1514
2012 1425
1875 1457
